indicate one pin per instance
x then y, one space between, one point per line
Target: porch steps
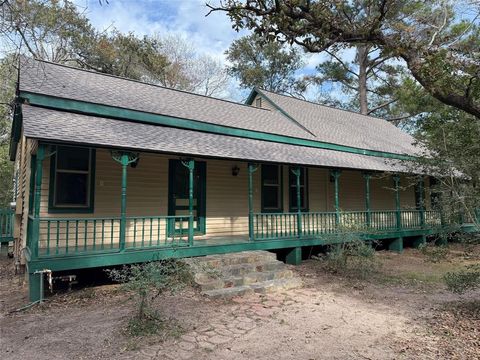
237 274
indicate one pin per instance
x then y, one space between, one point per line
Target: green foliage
124 55
463 280
451 137
354 258
147 281
438 45
49 30
7 90
267 65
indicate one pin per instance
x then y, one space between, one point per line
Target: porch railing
6 225
68 236
285 225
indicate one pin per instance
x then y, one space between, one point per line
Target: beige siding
352 191
319 190
227 198
22 163
265 103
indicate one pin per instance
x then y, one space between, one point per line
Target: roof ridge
148 84
327 106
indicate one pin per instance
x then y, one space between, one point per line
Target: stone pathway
236 318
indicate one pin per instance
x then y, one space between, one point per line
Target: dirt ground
401 312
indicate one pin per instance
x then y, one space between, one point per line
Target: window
258 102
72 179
271 188
292 180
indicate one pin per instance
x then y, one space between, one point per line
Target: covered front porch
206 203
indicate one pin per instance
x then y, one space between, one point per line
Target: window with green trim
292 190
72 179
272 188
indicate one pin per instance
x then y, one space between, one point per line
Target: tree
48 30
439 49
267 65
451 137
186 69
369 82
123 55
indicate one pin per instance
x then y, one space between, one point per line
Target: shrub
464 280
146 282
355 258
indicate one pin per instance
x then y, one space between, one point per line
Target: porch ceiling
54 125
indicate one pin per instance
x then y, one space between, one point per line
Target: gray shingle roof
72 83
60 126
344 127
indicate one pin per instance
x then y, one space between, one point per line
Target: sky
211 35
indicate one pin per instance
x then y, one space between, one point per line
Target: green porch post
4 249
396 244
419 240
37 200
367 177
123 205
296 171
294 256
191 167
34 288
35 291
421 200
124 158
398 214
336 175
251 232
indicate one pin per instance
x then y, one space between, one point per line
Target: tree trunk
362 60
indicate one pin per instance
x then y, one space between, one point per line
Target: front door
178 196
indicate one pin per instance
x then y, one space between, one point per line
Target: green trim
52 209
33 169
16 131
262 178
150 118
307 197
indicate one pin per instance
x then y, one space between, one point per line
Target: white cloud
211 35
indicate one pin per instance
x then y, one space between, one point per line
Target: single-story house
114 171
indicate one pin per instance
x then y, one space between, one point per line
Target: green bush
355 258
463 280
146 282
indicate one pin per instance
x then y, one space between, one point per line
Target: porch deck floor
199 241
